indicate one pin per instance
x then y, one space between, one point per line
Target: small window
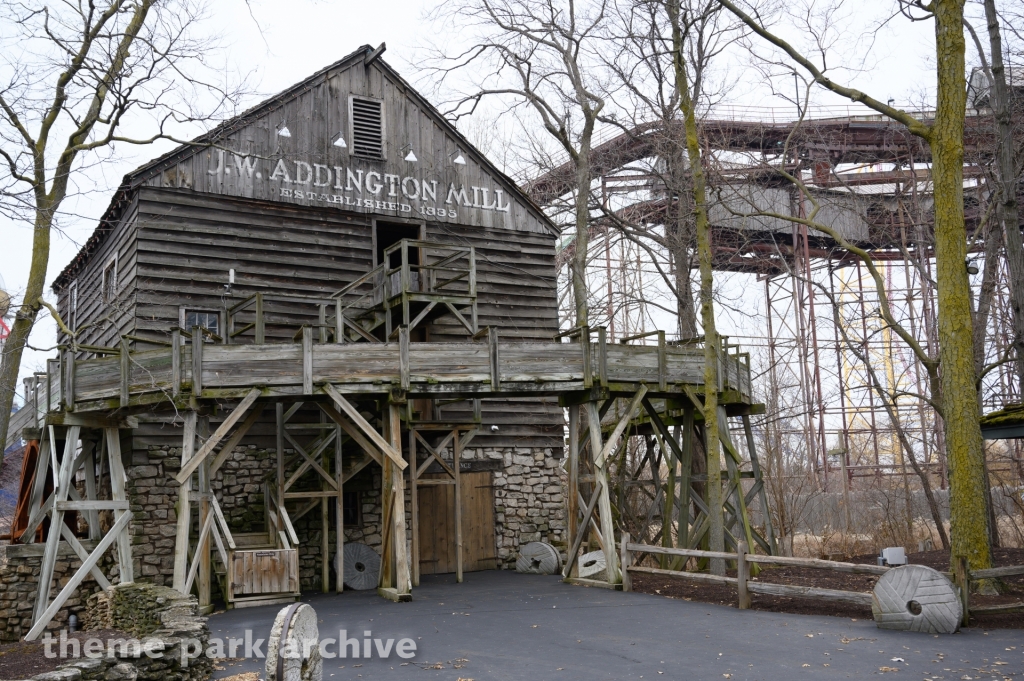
367 127
206 319
351 506
109 282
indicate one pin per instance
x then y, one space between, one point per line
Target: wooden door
437 525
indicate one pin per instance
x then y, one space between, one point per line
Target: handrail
357 282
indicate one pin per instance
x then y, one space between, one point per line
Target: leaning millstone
300 651
592 565
538 558
916 598
362 566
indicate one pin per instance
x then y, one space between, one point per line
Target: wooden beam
56 520
184 508
613 440
352 432
567 570
83 555
40 622
188 469
307 360
235 438
118 479
92 505
368 430
403 581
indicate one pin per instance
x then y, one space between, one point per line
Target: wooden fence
745 586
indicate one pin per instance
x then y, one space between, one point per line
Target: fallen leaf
888 669
897 659
805 665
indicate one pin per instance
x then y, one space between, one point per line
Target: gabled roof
140 175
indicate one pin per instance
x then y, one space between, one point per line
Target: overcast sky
282 43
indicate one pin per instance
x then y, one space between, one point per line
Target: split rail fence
745 585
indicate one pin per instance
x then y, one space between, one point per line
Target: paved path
506 626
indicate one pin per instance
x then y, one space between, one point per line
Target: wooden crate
264 571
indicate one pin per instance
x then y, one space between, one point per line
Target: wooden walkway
136 381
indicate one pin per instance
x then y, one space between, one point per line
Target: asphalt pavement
503 626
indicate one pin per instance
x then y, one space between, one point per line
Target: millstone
538 558
362 567
592 565
916 598
293 650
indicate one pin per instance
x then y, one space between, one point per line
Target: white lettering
459 198
385 650
281 170
358 184
406 648
373 186
220 164
317 182
497 202
392 181
337 177
415 187
476 197
244 165
483 192
299 167
432 191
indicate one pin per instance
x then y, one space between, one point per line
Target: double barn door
437 525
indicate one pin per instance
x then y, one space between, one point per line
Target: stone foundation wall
529 500
19 583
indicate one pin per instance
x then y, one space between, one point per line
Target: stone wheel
538 558
362 567
592 565
916 598
293 651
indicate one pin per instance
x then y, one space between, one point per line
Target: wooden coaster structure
364 392
639 468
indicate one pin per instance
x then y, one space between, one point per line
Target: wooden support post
69 380
63 482
686 468
184 506
339 520
456 465
602 356
402 581
325 555
574 474
260 329
118 479
92 517
762 495
126 372
627 562
662 363
197 361
403 356
414 493
203 552
175 362
279 486
588 369
604 505
494 360
307 360
742 574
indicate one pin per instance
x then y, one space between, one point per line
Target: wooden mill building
329 320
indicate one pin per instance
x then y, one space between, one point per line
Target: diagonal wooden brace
369 431
222 430
613 440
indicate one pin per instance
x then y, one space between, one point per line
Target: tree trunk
968 515
14 346
711 426
579 260
1007 206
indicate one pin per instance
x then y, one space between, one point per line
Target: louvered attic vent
367 128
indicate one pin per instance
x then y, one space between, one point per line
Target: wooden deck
487 368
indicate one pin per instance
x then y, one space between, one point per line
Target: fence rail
745 586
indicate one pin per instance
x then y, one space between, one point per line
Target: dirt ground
24 659
724 594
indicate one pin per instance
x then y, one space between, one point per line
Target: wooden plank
184 507
61 484
997 609
118 479
856 568
197 361
692 576
83 556
613 440
692 553
368 430
574 552
789 590
235 438
92 505
307 360
998 572
187 469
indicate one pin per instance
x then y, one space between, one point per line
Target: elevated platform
126 381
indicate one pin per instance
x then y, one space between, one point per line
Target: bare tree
77 79
537 54
955 384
